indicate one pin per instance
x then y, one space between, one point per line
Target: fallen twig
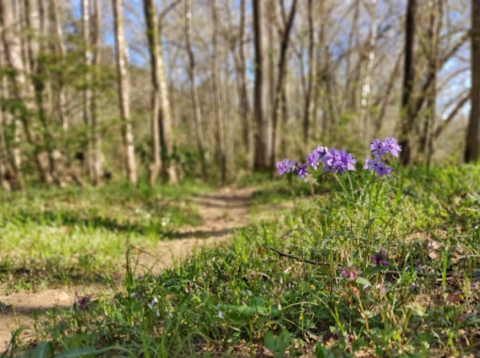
283 254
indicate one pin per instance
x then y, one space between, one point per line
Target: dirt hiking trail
222 213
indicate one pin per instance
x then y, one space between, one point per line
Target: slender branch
283 254
164 13
452 114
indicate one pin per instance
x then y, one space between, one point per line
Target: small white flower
170 314
249 292
281 281
132 294
220 314
279 306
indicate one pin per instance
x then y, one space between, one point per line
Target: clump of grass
308 283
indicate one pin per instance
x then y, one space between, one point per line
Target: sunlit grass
236 300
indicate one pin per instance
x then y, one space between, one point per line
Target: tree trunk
261 95
124 92
309 95
366 87
472 145
87 93
96 139
22 88
161 121
244 101
153 43
197 114
408 83
282 65
218 103
58 34
10 156
429 123
351 85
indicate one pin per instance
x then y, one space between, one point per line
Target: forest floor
222 212
364 267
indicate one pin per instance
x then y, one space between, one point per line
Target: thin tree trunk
218 109
408 83
87 93
153 43
261 94
248 132
366 87
166 121
22 88
197 114
124 92
161 121
282 64
60 45
11 156
472 145
96 139
36 23
309 95
426 138
350 88
4 159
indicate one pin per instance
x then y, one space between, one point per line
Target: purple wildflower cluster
83 302
285 166
333 160
380 148
380 258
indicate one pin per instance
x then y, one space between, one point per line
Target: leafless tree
472 145
124 92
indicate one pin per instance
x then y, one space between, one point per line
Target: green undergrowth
328 299
69 235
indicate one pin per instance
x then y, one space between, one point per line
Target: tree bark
261 93
22 87
161 121
218 103
10 155
153 43
282 64
408 83
60 45
366 87
124 92
429 123
351 85
96 139
244 101
87 93
309 95
472 145
197 114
